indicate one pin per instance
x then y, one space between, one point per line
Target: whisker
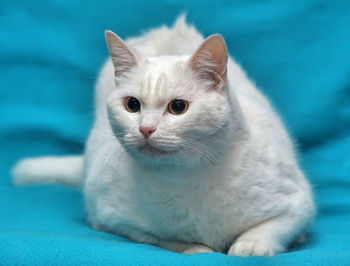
201 149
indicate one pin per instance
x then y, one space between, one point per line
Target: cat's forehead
161 78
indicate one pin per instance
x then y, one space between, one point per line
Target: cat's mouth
153 150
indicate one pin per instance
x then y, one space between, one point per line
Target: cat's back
181 39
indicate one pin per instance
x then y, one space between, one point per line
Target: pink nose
147 131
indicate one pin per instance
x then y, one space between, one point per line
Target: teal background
297 52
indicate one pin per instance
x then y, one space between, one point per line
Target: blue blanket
296 51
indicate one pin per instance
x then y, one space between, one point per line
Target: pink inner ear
211 59
123 59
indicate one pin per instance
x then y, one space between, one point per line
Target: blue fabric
297 51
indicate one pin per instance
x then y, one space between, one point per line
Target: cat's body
237 189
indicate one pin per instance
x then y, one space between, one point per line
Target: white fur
66 170
228 180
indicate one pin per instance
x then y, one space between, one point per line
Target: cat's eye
178 107
132 104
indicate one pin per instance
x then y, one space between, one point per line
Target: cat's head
170 109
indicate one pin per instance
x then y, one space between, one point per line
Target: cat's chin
153 151
153 156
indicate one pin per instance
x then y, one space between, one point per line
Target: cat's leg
175 246
273 236
196 248
185 248
259 240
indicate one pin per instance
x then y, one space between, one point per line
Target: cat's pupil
178 106
133 104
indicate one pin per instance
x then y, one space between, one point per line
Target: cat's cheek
118 115
210 112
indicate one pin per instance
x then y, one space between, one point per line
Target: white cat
185 152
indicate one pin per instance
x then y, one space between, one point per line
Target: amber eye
177 107
132 104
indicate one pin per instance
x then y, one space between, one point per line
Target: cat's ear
210 60
123 59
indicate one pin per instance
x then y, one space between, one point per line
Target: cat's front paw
245 248
197 249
